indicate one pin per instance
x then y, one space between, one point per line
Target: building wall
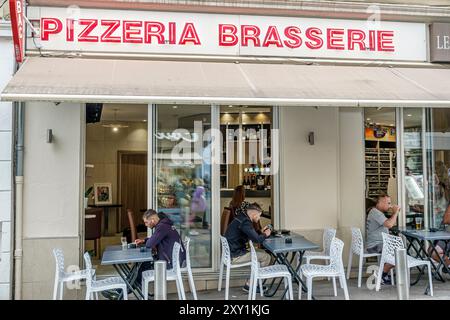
322 185
351 175
52 194
6 185
309 173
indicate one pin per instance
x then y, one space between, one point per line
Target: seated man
240 231
162 240
376 224
441 246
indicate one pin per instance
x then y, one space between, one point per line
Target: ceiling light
368 119
175 107
391 124
409 115
144 120
115 125
230 106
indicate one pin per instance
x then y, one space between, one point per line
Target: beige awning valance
143 81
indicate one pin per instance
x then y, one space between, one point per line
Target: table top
299 243
426 234
115 255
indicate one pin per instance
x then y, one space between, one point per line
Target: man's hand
267 232
139 241
395 209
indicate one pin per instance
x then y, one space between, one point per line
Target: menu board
379 133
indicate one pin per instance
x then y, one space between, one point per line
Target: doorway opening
115 175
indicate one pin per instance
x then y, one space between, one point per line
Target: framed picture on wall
102 193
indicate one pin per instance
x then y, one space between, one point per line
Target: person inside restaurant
238 205
240 231
442 247
161 242
376 224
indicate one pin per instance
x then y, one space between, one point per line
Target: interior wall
102 146
52 195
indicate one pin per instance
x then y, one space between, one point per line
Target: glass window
414 169
183 174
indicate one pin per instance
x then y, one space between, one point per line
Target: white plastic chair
357 247
328 236
94 286
62 276
334 269
187 269
390 244
173 274
226 261
274 271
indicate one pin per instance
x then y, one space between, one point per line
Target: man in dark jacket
162 240
240 231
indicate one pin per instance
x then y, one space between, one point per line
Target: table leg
130 278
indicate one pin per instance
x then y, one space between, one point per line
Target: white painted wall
6 126
52 193
322 185
351 175
309 173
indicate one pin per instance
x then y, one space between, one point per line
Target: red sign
16 9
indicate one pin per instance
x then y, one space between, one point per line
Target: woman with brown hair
238 205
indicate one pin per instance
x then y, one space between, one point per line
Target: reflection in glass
183 174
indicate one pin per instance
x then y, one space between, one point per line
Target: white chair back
187 242
88 263
390 244
176 257
226 255
255 263
336 248
328 236
357 241
59 259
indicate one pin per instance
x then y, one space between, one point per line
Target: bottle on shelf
260 181
268 184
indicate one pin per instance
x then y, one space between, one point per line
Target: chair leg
180 280
309 285
344 285
286 286
300 288
61 290
250 287
88 294
125 293
192 283
255 283
219 286
261 288
430 279
55 288
349 266
96 295
291 292
334 286
392 277
178 289
379 275
227 282
360 269
145 289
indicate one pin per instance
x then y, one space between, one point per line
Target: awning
143 81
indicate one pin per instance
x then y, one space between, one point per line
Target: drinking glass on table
123 240
419 223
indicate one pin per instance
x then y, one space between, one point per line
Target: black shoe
444 270
386 280
246 288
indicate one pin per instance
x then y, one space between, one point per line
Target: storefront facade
311 73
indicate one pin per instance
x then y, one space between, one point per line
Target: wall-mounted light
49 136
311 138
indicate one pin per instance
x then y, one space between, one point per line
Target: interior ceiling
125 112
